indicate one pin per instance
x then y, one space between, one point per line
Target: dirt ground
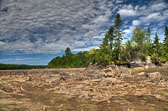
80 89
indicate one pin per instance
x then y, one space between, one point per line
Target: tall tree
68 52
165 45
111 36
118 34
156 50
147 43
166 35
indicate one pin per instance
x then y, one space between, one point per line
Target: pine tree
103 54
147 43
156 43
118 35
166 35
68 51
148 34
165 45
156 50
111 36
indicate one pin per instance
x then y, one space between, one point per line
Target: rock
124 70
95 66
146 67
62 78
148 59
154 75
108 101
126 85
141 74
30 78
166 64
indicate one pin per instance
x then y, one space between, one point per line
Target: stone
141 74
62 78
154 75
146 67
124 70
126 85
166 64
108 101
148 59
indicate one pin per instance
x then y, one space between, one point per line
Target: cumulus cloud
17 59
127 12
136 22
49 26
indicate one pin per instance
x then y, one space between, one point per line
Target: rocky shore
126 89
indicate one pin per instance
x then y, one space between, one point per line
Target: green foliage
156 53
165 46
81 59
166 35
118 37
68 52
113 51
111 36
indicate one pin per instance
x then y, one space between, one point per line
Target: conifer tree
166 35
118 35
156 43
148 34
156 50
111 36
68 51
165 45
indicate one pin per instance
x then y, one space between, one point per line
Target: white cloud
159 6
130 30
40 26
1 44
127 12
136 22
17 59
119 1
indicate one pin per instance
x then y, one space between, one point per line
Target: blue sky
35 31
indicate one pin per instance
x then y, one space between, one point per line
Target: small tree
128 51
103 55
156 50
138 37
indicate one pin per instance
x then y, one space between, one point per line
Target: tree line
114 51
16 66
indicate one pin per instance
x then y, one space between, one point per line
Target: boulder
95 66
148 60
124 70
154 75
166 64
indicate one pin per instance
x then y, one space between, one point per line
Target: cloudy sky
35 31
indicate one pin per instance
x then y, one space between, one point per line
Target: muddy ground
84 90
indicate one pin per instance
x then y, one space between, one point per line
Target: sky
35 31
